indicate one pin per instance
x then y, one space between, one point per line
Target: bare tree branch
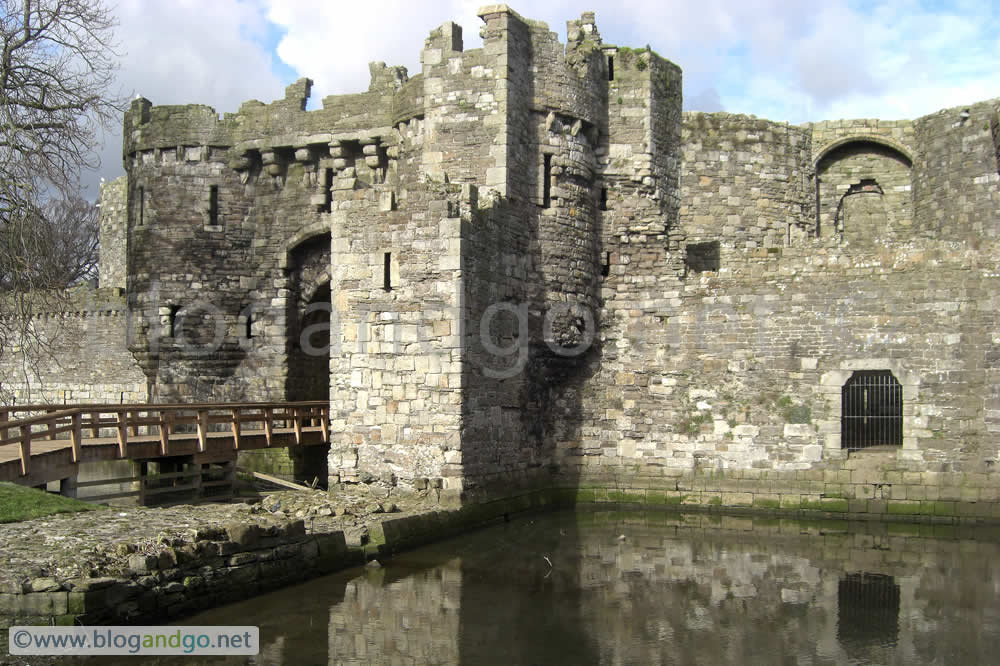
57 67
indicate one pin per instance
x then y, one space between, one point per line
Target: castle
525 267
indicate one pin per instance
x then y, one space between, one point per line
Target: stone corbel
338 154
274 166
243 166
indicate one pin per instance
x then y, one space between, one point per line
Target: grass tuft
19 503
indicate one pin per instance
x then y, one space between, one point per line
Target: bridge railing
121 422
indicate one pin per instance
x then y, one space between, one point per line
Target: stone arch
304 235
903 151
879 172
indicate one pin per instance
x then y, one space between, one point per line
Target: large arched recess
308 317
308 340
864 191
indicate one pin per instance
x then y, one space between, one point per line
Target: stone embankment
137 564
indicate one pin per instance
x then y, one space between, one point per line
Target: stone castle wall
78 353
533 269
112 270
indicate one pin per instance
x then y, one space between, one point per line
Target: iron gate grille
871 410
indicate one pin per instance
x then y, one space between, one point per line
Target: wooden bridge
193 447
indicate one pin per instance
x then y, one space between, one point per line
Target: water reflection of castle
670 592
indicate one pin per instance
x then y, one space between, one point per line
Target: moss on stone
826 504
903 508
903 529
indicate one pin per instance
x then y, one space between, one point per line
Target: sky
786 60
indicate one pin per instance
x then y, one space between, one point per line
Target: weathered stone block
244 534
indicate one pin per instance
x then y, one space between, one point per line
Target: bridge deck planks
52 459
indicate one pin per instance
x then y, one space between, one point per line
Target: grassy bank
18 503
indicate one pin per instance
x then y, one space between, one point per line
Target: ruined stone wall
745 184
218 209
463 107
80 354
956 182
191 268
396 370
537 265
530 256
112 201
742 372
865 194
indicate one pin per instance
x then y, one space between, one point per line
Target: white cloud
780 59
333 42
189 52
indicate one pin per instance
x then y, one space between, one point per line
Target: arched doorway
308 342
309 348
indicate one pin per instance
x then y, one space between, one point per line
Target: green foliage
797 414
789 410
19 503
692 424
641 64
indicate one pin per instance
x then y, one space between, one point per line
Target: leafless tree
57 68
55 249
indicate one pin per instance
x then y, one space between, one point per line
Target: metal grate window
871 410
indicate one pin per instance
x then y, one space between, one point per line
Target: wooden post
297 413
51 425
25 450
4 417
202 429
325 422
76 436
95 418
236 428
122 434
164 432
268 424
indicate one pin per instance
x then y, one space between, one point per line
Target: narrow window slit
387 271
213 204
172 322
606 266
604 198
142 206
327 192
611 68
546 181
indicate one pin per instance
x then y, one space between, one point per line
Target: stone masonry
534 271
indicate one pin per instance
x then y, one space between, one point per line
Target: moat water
602 587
